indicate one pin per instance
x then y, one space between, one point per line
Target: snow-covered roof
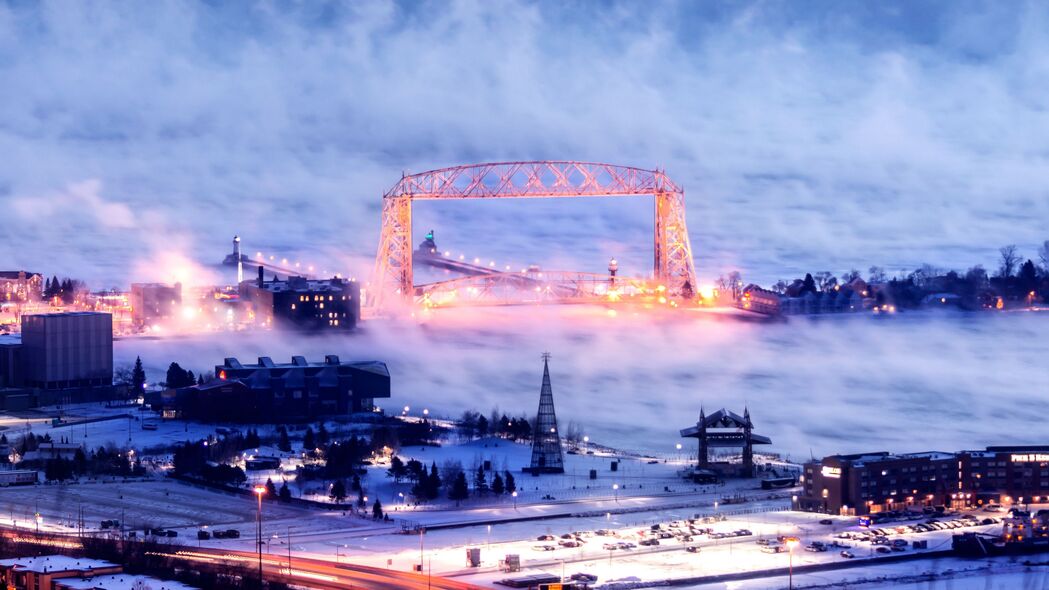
55 563
121 582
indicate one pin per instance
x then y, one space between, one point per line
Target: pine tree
482 426
377 509
338 491
459 491
480 481
511 485
497 485
356 483
397 470
433 483
322 435
360 498
138 378
200 379
308 442
284 444
271 490
285 493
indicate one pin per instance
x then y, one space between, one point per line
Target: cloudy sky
808 135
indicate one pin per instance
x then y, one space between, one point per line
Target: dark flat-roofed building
272 392
304 304
67 350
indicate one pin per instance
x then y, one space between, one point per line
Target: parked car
545 538
847 554
544 548
883 549
583 577
692 549
826 521
569 543
648 542
610 546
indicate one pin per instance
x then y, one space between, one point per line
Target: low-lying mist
822 385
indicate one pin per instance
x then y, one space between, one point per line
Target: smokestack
240 263
261 278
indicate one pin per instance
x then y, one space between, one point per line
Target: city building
67 350
153 303
724 429
272 392
46 451
20 285
760 300
10 361
119 582
877 482
306 304
44 572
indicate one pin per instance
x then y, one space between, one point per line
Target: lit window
293 306
322 305
336 322
331 297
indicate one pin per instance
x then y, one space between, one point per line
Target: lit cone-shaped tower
546 440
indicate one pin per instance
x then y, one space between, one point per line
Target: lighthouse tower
240 262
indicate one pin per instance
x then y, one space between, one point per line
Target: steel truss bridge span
393 281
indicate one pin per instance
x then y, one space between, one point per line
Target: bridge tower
546 440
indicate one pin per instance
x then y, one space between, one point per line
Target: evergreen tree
338 491
356 485
284 444
308 442
138 378
200 379
397 470
459 491
511 485
480 481
285 493
271 490
322 435
377 509
433 483
482 426
360 498
497 485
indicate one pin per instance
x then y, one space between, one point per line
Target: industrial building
67 350
59 358
270 392
878 482
152 303
20 285
306 304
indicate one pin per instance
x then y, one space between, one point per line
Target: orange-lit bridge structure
392 284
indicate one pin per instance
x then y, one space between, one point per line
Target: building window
293 306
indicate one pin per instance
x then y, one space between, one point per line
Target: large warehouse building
271 392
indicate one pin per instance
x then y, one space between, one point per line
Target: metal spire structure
546 440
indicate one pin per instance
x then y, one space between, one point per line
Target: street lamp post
792 542
259 491
515 499
615 488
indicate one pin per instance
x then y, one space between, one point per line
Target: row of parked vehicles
684 531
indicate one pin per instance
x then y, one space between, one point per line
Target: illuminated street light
792 542
615 488
515 499
259 492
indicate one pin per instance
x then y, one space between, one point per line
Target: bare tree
823 280
876 275
1010 260
1043 255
